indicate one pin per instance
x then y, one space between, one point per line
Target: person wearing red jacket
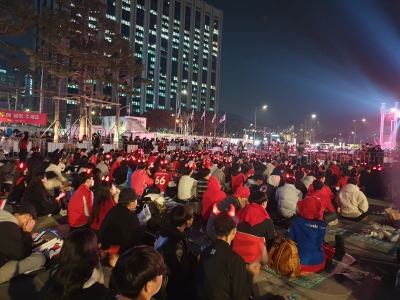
344 179
255 229
81 202
116 163
152 159
237 177
328 212
212 195
325 189
140 179
335 169
105 198
162 177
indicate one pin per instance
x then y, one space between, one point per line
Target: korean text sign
23 117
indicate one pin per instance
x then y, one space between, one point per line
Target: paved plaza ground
376 261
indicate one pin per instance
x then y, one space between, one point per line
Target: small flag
204 115
191 118
223 118
179 113
213 119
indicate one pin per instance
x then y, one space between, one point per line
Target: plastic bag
144 215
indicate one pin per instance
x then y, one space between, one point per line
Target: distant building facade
179 42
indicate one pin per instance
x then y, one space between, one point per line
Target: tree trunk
117 112
57 113
83 116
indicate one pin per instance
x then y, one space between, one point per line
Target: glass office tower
179 42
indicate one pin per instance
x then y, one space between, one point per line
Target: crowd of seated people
236 198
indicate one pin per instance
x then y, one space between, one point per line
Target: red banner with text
33 118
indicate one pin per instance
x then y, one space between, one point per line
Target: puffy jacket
140 180
287 197
309 236
212 195
351 201
14 243
268 170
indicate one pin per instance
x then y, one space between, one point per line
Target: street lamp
333 141
355 132
313 116
178 103
255 119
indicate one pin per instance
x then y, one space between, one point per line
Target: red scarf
253 214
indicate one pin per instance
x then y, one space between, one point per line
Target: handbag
144 215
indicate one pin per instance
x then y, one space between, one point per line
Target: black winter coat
181 265
222 274
121 227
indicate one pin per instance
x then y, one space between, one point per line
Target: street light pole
178 103
255 124
255 120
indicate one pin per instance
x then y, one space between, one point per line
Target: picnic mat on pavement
310 280
372 241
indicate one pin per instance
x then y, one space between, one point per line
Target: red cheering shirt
161 179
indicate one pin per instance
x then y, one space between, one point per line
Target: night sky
337 59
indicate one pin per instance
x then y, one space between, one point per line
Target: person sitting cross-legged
255 228
353 204
308 230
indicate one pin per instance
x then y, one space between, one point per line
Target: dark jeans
23 154
330 216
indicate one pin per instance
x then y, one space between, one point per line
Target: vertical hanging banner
33 118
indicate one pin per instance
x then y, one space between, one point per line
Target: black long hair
79 256
35 184
19 172
101 194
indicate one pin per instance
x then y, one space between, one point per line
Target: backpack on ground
284 258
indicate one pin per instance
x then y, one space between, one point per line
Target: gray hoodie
308 181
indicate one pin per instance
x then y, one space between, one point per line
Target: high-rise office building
179 42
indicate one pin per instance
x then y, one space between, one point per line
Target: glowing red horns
231 211
106 178
88 171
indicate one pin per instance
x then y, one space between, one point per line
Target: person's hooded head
310 208
213 184
274 180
